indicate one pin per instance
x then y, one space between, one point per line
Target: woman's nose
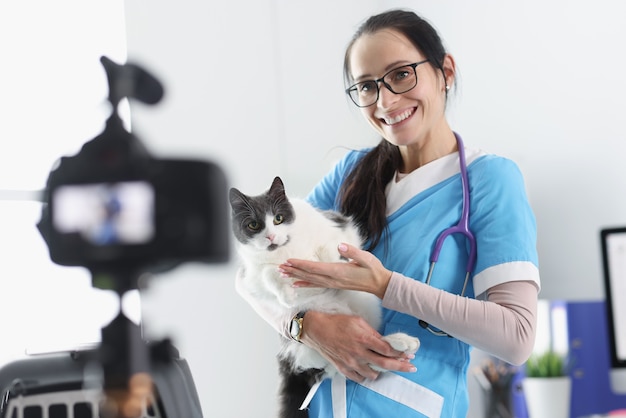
385 96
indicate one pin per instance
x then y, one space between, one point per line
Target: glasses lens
365 93
401 80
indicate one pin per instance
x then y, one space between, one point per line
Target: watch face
295 328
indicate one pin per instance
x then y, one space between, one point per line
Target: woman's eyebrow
391 66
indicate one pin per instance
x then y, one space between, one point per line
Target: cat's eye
278 219
254 226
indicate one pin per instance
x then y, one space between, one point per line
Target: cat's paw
403 342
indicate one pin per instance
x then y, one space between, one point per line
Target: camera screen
106 214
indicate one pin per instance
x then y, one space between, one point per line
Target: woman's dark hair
362 194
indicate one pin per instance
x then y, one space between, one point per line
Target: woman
404 193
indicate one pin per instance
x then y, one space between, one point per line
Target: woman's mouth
398 118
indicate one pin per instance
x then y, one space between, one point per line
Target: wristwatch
295 329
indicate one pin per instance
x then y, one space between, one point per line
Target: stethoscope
462 227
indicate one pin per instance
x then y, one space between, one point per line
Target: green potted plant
548 364
547 385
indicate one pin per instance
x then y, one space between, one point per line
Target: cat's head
262 221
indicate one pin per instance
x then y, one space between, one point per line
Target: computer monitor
613 242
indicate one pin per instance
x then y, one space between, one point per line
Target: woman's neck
430 149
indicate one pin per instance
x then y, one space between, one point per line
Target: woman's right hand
351 345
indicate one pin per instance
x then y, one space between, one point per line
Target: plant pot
548 397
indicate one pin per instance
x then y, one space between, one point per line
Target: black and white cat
271 228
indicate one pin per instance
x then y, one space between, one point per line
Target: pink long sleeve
503 325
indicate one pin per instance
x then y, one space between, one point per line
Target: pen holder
496 381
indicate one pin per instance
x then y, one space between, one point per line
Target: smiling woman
53 100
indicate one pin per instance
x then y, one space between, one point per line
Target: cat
269 229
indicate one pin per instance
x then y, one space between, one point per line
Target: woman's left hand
362 272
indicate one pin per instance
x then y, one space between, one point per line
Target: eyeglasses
398 81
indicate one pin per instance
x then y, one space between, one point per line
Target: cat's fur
271 228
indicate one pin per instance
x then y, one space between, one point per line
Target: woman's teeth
399 118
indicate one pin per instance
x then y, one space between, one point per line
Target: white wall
257 86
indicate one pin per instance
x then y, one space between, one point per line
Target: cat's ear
277 186
236 197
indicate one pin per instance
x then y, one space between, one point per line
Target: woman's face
410 118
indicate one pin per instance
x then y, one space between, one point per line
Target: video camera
118 211
114 207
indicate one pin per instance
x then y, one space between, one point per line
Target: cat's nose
271 237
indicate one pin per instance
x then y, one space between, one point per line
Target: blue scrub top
504 226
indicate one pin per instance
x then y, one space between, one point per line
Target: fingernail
412 369
343 247
410 356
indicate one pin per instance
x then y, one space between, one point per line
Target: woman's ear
449 71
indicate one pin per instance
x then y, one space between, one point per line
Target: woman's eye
278 219
401 75
366 87
254 226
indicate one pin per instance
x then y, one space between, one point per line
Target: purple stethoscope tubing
462 227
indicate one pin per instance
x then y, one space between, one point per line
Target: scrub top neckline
403 187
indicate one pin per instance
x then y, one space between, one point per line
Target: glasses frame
382 80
